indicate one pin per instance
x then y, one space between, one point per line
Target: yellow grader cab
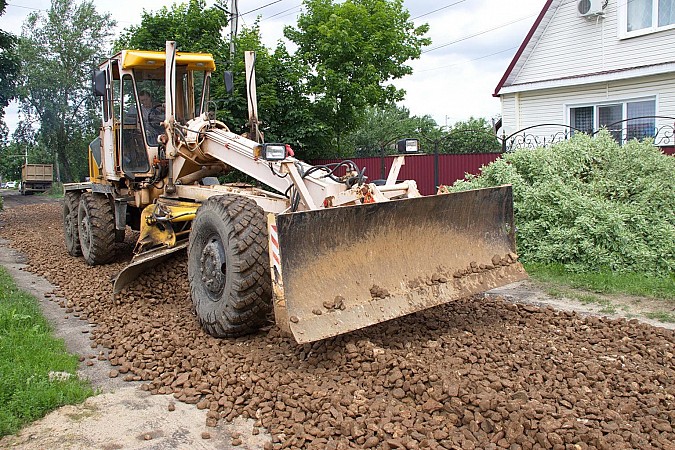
329 254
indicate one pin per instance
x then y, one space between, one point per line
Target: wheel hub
212 267
71 225
86 231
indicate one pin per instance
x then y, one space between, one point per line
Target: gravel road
477 373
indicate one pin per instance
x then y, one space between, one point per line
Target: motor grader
327 249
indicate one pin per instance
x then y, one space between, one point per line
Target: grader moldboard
329 253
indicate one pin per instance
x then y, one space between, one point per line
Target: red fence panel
421 168
668 150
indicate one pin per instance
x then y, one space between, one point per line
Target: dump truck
324 247
36 178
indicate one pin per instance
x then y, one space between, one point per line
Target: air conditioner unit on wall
591 8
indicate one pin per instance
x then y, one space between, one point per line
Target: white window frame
624 111
623 21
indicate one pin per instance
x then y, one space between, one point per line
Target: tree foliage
9 66
472 136
193 26
352 49
58 52
590 204
380 128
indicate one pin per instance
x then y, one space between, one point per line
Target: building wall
573 46
531 108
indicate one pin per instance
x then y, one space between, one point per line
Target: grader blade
341 269
143 262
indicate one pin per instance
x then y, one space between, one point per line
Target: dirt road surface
478 373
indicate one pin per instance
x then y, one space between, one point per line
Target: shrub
590 204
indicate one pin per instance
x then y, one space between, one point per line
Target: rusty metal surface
351 267
141 263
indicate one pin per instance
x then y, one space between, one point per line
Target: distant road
12 198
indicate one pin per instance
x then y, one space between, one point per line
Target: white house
593 63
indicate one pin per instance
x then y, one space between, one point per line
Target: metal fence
654 127
423 168
435 169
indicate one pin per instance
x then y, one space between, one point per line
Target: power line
282 12
439 9
468 60
477 34
260 7
26 7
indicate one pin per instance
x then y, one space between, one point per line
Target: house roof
528 43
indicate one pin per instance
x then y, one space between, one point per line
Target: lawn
28 354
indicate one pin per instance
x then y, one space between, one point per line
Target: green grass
28 352
606 282
662 316
56 191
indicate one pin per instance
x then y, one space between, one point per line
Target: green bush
590 204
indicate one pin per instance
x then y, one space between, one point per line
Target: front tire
71 201
96 227
228 266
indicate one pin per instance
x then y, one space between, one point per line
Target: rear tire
228 266
96 227
71 201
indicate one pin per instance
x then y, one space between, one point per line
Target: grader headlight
406 146
274 152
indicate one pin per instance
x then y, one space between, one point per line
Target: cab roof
142 59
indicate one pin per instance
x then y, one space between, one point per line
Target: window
625 121
644 16
609 116
642 125
134 156
582 119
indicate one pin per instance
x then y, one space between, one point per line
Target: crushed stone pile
474 373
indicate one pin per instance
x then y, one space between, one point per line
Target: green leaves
590 204
352 49
58 51
193 26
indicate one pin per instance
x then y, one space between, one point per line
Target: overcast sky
473 42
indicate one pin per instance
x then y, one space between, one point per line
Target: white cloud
455 81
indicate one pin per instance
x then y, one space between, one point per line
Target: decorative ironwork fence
663 134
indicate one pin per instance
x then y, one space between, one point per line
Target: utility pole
234 25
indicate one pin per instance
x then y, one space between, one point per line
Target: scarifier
330 254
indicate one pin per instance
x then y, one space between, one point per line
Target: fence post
503 142
383 167
436 174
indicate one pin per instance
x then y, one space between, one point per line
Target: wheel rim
71 226
212 268
85 235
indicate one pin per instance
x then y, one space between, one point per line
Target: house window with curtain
624 120
643 16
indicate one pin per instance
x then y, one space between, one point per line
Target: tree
472 136
381 127
194 27
284 106
352 49
9 67
58 53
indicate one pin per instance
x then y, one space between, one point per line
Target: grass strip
606 281
28 354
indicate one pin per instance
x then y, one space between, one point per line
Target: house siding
574 46
551 105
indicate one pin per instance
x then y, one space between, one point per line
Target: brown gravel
476 373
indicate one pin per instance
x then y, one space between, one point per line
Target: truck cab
131 86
